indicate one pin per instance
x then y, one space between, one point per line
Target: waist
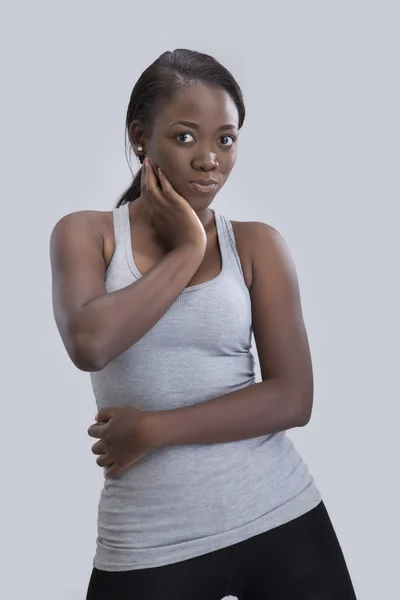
168 384
200 489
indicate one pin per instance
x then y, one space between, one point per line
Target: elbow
302 409
86 356
84 343
304 419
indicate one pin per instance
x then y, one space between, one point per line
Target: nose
205 161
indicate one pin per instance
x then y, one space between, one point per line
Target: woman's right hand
172 216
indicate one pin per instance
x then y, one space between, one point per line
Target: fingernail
146 162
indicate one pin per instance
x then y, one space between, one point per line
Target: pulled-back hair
161 80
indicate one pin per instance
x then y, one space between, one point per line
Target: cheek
175 166
227 162
171 161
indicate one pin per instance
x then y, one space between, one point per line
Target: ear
137 138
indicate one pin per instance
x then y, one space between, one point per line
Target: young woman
204 493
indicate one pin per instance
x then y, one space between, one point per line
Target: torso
147 253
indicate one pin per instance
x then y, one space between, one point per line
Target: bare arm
97 326
284 398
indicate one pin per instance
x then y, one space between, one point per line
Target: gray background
318 160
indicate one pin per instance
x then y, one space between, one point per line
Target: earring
140 149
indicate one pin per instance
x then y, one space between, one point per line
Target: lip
204 181
204 188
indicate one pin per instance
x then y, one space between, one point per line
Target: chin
202 197
200 201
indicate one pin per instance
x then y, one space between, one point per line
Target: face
194 141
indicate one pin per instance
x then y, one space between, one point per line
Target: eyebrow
196 126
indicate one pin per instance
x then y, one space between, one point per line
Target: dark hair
169 73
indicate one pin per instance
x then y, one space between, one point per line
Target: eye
228 138
182 135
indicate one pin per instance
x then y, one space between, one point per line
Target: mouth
206 186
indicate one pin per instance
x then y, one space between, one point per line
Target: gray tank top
184 501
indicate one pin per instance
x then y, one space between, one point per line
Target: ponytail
133 192
160 81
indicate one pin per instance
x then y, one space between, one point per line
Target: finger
143 180
105 414
167 187
103 460
165 184
152 184
96 430
113 470
99 448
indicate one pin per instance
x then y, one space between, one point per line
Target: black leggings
300 560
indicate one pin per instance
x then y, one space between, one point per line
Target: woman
204 494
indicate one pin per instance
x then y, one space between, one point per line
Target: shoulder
246 230
89 218
92 223
257 243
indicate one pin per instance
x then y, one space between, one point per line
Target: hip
294 561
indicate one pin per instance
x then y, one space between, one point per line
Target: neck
140 212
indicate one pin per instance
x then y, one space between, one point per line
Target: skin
284 397
207 149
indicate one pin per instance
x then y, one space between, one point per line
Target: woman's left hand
123 437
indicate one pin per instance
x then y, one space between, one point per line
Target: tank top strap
226 238
120 217
227 241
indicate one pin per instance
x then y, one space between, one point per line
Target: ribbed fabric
184 501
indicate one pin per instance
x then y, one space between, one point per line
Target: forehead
201 103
